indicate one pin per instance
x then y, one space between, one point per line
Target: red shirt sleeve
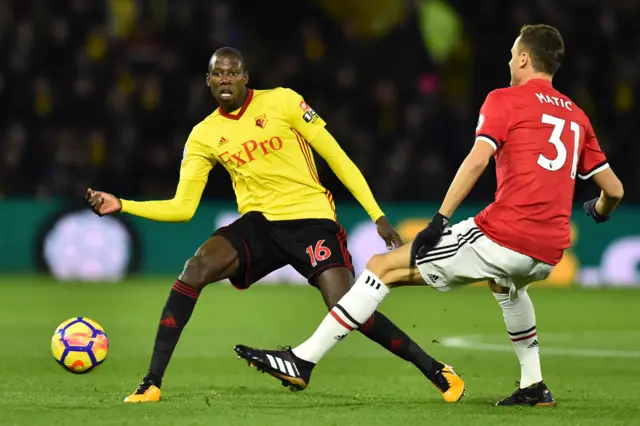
494 120
592 160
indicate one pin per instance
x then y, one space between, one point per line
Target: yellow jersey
266 146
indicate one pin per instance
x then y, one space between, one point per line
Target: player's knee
497 288
378 266
199 271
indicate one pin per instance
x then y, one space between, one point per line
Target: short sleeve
592 160
494 120
196 159
300 115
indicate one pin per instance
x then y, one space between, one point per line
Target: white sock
520 319
355 307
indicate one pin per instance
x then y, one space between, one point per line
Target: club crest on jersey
303 106
261 121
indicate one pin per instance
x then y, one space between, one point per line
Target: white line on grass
474 342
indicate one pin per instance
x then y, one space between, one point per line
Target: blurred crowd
104 93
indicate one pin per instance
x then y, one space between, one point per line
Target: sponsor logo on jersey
250 151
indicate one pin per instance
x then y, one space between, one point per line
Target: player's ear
206 78
524 59
246 77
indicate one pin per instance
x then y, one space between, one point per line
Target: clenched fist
103 203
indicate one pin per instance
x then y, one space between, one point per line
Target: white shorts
464 255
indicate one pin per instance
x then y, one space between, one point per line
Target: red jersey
542 141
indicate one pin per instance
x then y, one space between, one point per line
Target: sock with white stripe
520 319
350 312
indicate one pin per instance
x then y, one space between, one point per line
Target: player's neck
229 108
537 76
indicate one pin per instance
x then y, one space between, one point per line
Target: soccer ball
79 345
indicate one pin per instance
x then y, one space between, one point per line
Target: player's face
518 63
512 68
227 80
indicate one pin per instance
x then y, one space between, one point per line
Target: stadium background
103 95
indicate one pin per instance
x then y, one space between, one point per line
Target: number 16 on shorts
318 253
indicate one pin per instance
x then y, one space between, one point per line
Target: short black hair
545 45
228 52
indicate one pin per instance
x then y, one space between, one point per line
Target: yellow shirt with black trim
266 148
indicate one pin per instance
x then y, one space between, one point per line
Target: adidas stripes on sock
348 314
175 316
520 319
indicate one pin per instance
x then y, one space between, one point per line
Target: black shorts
310 246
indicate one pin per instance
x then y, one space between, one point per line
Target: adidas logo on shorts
433 278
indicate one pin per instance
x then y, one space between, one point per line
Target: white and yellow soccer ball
79 345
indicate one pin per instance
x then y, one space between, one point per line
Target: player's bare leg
215 260
335 283
520 319
354 309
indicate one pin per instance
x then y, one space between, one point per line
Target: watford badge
261 121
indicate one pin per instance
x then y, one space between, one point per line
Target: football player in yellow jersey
264 139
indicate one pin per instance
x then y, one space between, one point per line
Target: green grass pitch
590 346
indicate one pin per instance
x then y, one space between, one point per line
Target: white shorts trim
464 255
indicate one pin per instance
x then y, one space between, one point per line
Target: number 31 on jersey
561 158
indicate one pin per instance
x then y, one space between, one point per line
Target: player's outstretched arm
180 208
311 127
351 177
611 194
196 164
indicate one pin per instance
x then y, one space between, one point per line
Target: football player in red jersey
541 141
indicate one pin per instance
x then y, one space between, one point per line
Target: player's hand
103 203
428 237
388 234
590 208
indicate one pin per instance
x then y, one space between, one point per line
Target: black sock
382 331
175 316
